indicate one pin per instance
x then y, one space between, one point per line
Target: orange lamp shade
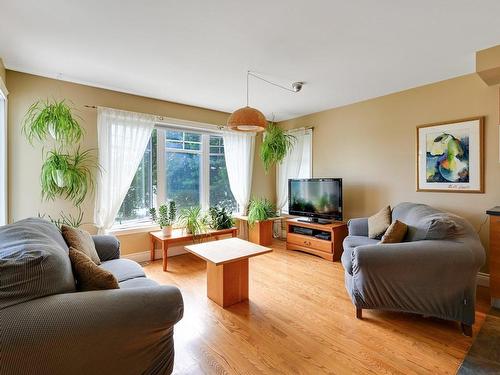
247 119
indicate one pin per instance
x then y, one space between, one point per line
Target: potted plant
52 118
68 174
275 145
165 217
220 218
260 228
193 220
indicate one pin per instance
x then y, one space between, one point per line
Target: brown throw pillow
88 275
395 233
81 241
378 223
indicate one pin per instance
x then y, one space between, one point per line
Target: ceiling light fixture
248 119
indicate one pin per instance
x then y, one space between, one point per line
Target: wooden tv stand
329 247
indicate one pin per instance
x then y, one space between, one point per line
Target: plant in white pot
54 119
165 217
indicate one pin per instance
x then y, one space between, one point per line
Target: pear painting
447 158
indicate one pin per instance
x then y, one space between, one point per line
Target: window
220 192
3 154
185 166
140 196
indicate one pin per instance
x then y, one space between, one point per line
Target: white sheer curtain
297 164
239 151
122 138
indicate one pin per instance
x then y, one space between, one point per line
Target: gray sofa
47 327
433 272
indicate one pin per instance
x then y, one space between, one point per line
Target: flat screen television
318 199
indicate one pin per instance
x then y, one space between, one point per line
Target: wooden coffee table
227 268
179 236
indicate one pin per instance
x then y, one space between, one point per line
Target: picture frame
450 156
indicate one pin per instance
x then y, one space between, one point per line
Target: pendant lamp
248 119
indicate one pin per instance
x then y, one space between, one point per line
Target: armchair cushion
88 275
34 262
395 233
123 269
378 223
80 240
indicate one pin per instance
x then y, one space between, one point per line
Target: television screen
316 197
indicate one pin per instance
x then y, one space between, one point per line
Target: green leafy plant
194 221
275 145
260 209
220 218
166 215
52 118
65 219
68 174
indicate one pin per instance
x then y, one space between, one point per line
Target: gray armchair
432 273
47 327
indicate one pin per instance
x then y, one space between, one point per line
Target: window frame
4 155
137 225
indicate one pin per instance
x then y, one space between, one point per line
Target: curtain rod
161 118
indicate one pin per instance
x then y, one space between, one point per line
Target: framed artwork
450 156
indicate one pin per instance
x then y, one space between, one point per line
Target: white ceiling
198 52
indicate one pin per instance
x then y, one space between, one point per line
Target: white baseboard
144 256
483 279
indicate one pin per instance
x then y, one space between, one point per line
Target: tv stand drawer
309 242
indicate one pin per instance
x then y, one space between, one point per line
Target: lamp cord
250 73
265 80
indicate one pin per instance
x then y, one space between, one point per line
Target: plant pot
59 178
167 231
261 233
51 127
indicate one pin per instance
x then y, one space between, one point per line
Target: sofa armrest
358 227
127 331
108 247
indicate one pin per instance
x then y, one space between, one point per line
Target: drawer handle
307 243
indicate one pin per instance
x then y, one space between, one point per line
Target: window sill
133 228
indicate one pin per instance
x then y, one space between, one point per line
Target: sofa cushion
395 233
80 240
138 282
350 243
88 275
123 269
378 223
34 262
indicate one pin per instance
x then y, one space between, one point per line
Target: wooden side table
178 236
494 255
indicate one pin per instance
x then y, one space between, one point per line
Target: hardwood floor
300 320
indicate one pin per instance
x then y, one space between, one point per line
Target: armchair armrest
416 258
108 247
119 331
435 277
358 227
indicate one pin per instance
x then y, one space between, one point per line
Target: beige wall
2 71
25 161
371 145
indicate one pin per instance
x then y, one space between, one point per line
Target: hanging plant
45 118
275 145
68 175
